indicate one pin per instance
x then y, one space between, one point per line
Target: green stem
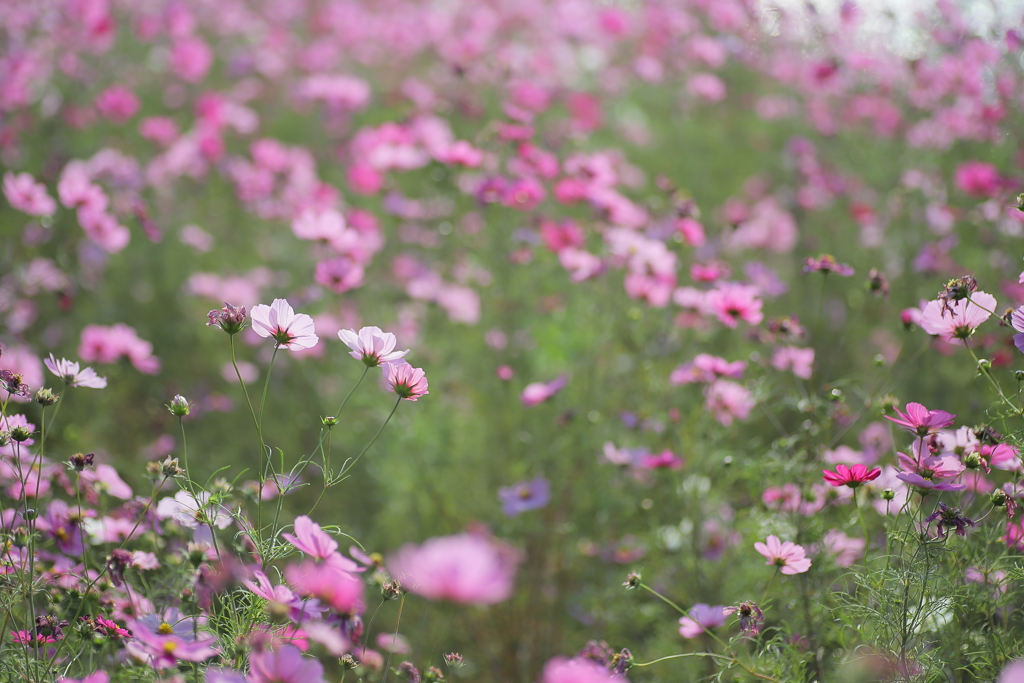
349 465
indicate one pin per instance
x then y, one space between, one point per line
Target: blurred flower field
534 341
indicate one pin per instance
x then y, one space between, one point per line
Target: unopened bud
454 660
29 514
46 398
1019 374
179 406
984 365
330 421
999 498
973 461
888 494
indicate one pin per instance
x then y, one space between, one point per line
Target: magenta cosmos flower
789 556
562 670
538 392
73 375
955 322
922 421
851 476
408 382
291 330
372 345
462 568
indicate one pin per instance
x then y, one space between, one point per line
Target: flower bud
888 494
633 580
330 421
972 461
231 319
46 398
454 660
179 406
349 662
984 365
169 467
5 437
1019 374
29 514
1020 202
999 498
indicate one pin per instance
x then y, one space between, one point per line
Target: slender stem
348 466
352 390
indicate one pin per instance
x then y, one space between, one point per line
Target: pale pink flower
408 382
286 665
800 361
728 401
789 556
703 617
191 58
291 330
562 670
844 549
955 322
461 568
372 345
310 539
28 196
707 87
328 582
70 373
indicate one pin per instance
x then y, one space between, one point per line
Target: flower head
851 476
956 322
538 392
922 421
826 263
291 330
408 382
286 665
526 495
463 568
372 345
703 617
750 616
789 556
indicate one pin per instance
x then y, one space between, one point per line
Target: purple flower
949 518
526 495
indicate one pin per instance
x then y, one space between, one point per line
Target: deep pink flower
462 568
291 330
955 322
703 617
978 179
372 345
731 302
28 196
922 421
408 382
728 401
538 392
117 104
851 476
70 373
287 665
789 556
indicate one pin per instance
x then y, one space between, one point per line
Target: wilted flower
949 517
750 616
79 461
231 319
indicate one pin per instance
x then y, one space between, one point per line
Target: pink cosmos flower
703 617
800 361
372 345
329 583
707 368
310 539
922 421
94 677
71 374
28 196
164 651
291 330
844 549
955 322
728 401
538 392
851 476
462 568
931 472
789 556
978 179
286 665
117 104
408 382
562 670
732 302
1012 672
